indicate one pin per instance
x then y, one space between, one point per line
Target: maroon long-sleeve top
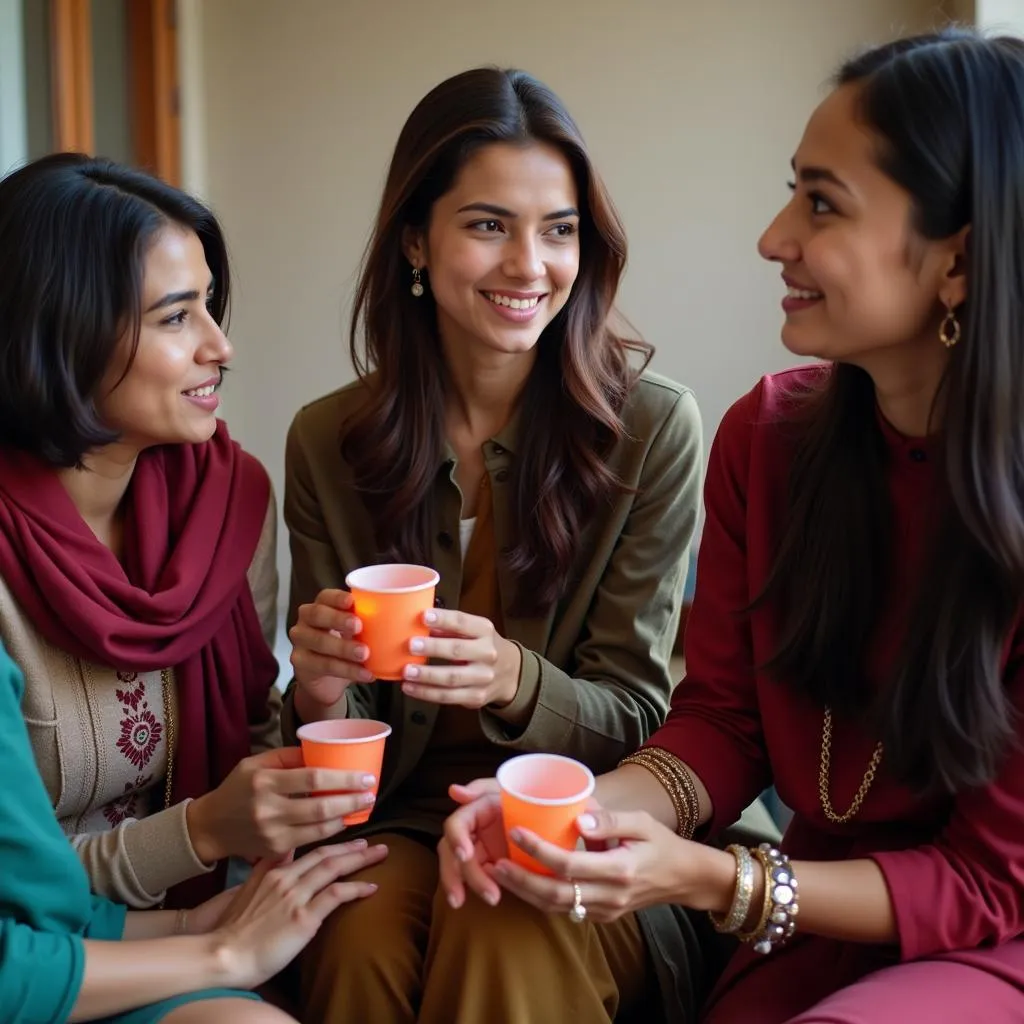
954 867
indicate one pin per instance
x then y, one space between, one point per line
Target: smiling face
169 393
501 249
862 285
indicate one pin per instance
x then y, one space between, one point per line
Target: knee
228 1011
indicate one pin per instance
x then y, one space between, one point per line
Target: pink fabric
954 868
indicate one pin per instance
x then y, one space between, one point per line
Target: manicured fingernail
492 898
357 844
412 672
453 902
461 854
501 869
586 822
365 675
368 798
516 835
360 653
416 645
371 888
430 617
368 780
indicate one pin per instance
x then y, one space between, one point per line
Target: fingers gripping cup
390 601
346 744
544 793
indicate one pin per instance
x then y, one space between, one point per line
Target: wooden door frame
152 77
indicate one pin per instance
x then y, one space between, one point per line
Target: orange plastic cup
544 793
390 601
349 745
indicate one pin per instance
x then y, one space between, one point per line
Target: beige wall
692 110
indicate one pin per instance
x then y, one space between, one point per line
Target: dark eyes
819 202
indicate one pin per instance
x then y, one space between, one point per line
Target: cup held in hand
346 744
390 601
544 793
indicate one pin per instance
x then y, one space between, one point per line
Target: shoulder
655 403
318 425
771 401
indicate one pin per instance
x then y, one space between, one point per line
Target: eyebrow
810 174
171 298
500 211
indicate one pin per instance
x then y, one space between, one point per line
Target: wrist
713 884
229 966
509 670
204 843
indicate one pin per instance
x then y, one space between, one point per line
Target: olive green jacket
595 679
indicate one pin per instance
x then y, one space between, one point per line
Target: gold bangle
681 787
766 907
655 761
739 909
656 769
181 922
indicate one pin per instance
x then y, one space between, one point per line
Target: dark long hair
74 232
948 112
580 380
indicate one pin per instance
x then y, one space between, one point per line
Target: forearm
149 924
120 976
634 788
845 900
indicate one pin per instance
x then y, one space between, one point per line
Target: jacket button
497 449
918 455
501 476
444 540
439 602
418 718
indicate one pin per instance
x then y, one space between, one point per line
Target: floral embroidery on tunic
140 730
124 807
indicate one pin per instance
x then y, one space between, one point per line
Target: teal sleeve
46 908
40 974
107 920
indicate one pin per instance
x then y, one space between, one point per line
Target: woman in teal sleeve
66 954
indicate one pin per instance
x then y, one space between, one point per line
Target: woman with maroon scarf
137 580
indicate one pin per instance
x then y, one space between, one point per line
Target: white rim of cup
383 733
546 801
351 579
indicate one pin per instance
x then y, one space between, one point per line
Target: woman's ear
414 245
953 289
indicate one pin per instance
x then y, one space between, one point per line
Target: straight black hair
948 112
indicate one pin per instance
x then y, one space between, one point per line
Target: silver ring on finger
578 913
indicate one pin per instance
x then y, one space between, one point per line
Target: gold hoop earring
949 329
417 284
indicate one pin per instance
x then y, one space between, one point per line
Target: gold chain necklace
165 689
826 767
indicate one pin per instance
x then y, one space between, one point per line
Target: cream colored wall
1001 16
692 110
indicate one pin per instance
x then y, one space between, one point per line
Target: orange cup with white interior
390 601
544 793
348 745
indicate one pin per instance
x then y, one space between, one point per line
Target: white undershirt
466 527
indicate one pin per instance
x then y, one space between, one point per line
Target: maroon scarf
181 599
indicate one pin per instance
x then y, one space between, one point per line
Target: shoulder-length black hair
74 232
948 113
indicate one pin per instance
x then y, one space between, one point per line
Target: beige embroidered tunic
100 740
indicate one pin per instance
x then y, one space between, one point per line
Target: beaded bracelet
733 921
781 905
675 780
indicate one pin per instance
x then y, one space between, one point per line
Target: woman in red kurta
855 636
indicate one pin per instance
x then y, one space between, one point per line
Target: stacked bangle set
777 920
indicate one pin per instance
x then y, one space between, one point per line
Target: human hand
643 863
264 807
483 666
279 909
473 841
326 656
